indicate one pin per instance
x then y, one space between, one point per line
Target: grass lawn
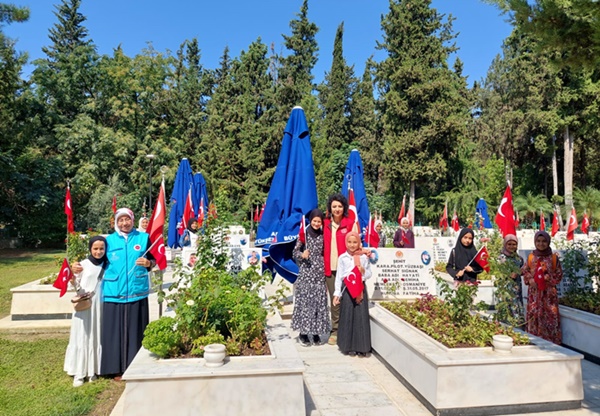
18 267
32 380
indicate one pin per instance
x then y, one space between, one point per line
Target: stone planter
477 381
485 290
581 332
264 385
33 301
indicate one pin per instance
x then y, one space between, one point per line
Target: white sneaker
77 382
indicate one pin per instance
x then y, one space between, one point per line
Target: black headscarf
103 260
310 230
464 254
189 225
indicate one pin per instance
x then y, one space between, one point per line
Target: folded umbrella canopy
183 180
481 211
293 193
353 178
199 194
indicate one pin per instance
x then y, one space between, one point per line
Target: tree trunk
568 143
554 168
411 201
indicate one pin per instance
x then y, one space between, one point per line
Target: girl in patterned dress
311 314
542 272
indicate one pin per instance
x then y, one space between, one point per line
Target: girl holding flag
354 335
82 358
510 266
311 315
461 263
542 272
404 237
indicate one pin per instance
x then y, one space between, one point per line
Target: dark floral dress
311 313
542 305
513 264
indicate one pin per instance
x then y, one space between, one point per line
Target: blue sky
237 23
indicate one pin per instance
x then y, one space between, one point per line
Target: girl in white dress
84 351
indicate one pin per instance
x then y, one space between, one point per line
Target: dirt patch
108 399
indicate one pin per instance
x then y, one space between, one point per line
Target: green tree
569 28
422 101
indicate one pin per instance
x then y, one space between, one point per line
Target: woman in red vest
336 226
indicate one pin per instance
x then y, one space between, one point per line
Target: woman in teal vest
125 293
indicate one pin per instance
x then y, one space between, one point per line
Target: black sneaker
304 341
316 339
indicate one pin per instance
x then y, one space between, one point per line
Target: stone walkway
338 385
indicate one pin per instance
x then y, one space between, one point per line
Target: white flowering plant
213 305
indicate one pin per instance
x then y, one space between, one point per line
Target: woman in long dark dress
460 263
311 314
125 294
511 264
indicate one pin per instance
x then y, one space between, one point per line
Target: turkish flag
444 219
542 221
402 210
482 259
256 214
352 211
505 218
69 212
517 221
114 204
585 223
64 277
354 282
572 225
188 212
538 276
201 212
302 231
155 230
261 212
372 236
455 225
555 226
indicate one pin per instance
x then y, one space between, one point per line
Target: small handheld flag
64 277
354 283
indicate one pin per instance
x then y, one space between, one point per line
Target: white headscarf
120 212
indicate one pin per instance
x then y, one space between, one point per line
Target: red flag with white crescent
188 212
372 236
542 221
402 210
63 278
505 218
256 214
302 231
455 225
585 223
156 228
482 259
354 283
69 212
201 212
352 211
572 225
114 204
444 219
555 225
262 211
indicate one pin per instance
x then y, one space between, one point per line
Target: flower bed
266 385
477 381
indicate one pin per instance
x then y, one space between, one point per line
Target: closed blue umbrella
199 194
353 178
293 193
183 180
481 213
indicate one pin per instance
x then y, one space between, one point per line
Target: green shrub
162 338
